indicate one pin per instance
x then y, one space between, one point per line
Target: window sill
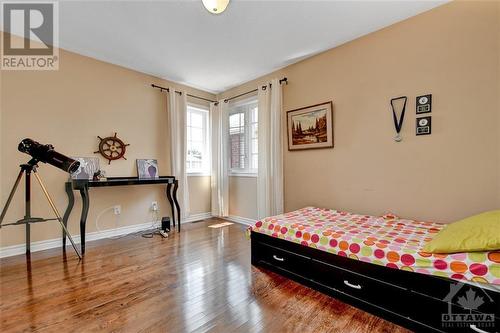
198 174
243 174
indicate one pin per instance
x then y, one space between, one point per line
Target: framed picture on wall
147 168
88 166
310 127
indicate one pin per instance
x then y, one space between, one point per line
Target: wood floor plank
199 280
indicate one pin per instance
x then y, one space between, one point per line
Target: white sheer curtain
177 113
270 174
219 132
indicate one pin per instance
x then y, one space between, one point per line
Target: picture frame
147 168
310 127
88 167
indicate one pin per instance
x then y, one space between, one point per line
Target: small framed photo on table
88 167
310 127
147 168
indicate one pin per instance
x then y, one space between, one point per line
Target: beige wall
451 52
242 197
498 95
69 108
199 194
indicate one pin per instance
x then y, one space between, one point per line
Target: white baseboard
13 250
239 219
197 217
8 251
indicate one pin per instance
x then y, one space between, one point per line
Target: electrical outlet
154 206
117 210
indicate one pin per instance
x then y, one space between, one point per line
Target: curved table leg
69 208
84 192
171 201
176 186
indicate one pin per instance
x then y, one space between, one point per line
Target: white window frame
233 109
206 134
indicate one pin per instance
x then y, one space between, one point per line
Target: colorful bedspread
386 240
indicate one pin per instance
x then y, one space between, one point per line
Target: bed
376 264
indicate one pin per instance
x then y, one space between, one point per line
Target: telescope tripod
28 169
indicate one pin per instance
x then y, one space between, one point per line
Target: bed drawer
449 317
274 256
441 288
364 288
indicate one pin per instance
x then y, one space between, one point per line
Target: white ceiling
182 42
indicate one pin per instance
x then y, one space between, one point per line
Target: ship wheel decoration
112 148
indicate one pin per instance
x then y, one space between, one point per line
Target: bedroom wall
69 108
498 95
452 52
242 194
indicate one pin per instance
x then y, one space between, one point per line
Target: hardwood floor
196 281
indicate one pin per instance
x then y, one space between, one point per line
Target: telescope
47 154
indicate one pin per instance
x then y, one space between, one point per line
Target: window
198 158
243 138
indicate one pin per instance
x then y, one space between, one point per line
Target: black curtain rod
225 100
254 90
180 93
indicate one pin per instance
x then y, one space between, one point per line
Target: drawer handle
475 328
275 257
354 286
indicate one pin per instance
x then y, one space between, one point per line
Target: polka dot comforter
386 240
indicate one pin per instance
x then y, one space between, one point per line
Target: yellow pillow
476 233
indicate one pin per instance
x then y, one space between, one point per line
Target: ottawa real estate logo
30 36
471 313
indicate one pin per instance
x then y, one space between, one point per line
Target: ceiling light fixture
215 6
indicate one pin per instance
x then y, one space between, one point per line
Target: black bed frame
420 302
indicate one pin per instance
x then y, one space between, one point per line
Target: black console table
83 186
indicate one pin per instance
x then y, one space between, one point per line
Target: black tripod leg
11 195
27 214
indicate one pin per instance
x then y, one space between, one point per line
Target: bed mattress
386 240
